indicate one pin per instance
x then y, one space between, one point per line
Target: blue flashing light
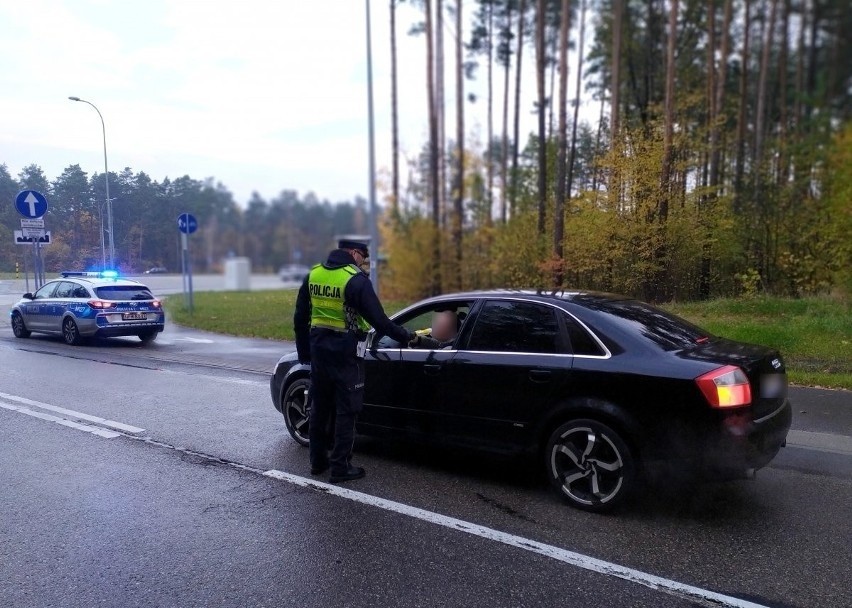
102 274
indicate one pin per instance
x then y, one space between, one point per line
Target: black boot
348 475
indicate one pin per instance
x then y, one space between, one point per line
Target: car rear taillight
100 304
725 387
156 304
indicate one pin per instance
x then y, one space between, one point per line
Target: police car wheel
297 410
148 336
590 465
18 327
70 332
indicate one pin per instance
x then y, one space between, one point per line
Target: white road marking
193 340
563 555
94 430
119 426
821 442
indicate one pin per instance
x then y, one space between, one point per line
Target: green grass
255 314
813 334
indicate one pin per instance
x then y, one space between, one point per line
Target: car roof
577 296
101 281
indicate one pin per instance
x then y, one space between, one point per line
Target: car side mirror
28 296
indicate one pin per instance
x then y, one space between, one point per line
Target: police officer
334 302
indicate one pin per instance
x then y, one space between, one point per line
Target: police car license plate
134 316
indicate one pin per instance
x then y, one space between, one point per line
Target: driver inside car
445 327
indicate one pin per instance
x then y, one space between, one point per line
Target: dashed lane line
73 415
94 430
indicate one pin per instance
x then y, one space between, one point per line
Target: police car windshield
123 292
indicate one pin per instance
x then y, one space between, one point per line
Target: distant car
87 304
157 270
293 273
598 388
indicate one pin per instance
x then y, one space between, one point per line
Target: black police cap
350 244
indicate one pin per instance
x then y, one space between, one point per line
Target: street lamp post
108 200
374 218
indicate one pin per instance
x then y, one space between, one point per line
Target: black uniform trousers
337 397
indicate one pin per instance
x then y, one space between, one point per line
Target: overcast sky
262 95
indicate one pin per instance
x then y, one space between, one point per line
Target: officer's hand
413 340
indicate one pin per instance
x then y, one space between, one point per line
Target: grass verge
813 334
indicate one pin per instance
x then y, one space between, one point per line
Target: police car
81 305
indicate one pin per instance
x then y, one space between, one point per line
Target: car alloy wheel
297 410
18 327
70 333
590 465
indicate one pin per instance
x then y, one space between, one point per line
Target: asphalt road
207 501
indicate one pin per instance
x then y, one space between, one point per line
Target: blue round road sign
187 223
31 204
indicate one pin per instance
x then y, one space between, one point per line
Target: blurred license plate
134 316
773 386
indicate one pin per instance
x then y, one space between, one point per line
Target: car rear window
664 329
124 292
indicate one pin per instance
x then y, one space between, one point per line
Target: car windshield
664 329
124 292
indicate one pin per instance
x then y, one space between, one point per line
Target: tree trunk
504 148
800 67
760 119
782 173
597 151
615 97
489 157
668 135
741 114
813 52
658 290
394 116
577 92
440 110
517 127
458 203
433 150
719 103
562 138
542 141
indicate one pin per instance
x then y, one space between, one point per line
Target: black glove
413 339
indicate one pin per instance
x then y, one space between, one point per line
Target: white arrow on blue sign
187 223
30 203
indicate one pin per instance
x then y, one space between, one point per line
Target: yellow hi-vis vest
327 287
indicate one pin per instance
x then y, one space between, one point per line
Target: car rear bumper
125 329
743 445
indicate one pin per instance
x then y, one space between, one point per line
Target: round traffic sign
187 223
31 203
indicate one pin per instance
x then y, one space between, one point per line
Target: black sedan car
599 387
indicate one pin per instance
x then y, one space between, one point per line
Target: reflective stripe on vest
327 288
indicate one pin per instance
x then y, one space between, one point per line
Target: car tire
19 328
590 465
295 406
71 333
148 336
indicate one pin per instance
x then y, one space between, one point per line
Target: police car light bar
103 274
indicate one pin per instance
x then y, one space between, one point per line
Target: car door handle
431 369
539 375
